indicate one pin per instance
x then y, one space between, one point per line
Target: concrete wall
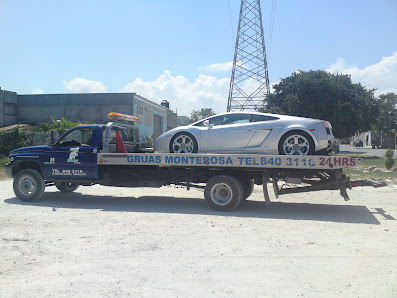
171 119
93 107
8 108
182 120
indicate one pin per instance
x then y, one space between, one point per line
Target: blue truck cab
67 163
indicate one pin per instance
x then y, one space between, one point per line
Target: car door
227 133
73 157
264 124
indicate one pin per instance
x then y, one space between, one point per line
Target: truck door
73 157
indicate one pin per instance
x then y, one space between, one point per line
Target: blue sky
182 50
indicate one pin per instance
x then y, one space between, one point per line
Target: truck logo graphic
74 152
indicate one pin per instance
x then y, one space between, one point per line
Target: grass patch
362 171
3 161
3 175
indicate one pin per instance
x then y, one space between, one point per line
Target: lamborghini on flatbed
107 155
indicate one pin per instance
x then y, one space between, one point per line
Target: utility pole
249 83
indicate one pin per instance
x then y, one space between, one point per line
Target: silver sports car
243 132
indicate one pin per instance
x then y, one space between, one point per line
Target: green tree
351 108
387 119
60 126
203 113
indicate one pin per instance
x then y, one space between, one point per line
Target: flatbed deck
246 161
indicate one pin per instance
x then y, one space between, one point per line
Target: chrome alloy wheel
221 194
296 145
183 144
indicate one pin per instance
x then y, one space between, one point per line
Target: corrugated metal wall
76 99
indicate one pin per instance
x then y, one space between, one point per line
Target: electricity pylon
249 83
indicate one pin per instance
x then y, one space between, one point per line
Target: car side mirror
207 124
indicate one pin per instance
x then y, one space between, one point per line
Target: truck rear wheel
28 185
248 187
67 186
223 193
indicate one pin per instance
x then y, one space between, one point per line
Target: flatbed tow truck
104 154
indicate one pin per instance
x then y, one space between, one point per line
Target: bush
389 163
148 141
13 139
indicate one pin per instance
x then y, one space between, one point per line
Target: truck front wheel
28 185
67 186
223 193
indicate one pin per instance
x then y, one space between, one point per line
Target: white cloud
204 92
382 75
217 67
79 85
37 91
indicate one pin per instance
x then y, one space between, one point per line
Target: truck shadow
166 204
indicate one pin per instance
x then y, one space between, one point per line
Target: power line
230 15
271 27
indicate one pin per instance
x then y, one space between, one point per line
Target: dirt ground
107 242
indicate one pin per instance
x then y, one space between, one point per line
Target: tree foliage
387 119
351 108
203 113
60 126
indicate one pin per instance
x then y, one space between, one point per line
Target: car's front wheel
296 143
183 142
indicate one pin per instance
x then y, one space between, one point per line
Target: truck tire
67 186
28 185
223 193
248 187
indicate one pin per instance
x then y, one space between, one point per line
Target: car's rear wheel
296 143
183 142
